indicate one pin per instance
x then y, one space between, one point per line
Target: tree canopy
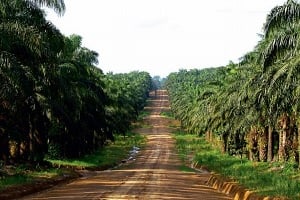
251 107
54 100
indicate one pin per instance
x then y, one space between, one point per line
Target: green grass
143 114
108 156
48 173
140 123
14 180
168 114
184 168
268 179
23 175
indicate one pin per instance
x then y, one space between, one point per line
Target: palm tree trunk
282 150
294 145
209 136
224 142
270 144
4 153
253 144
32 145
282 155
299 146
37 139
263 144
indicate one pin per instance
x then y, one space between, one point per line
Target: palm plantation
55 102
251 107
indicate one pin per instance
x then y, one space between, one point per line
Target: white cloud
162 36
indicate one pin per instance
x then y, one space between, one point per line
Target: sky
164 36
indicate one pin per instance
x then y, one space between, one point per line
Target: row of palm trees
53 99
251 107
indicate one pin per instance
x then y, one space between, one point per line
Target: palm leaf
57 5
279 16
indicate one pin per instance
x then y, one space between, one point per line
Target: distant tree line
53 99
250 108
158 82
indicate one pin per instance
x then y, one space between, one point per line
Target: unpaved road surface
155 174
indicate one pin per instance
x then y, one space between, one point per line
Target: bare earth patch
154 174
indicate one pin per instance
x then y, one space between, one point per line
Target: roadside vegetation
268 179
143 114
55 103
109 156
22 174
249 109
167 114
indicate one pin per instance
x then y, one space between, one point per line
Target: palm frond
57 5
279 16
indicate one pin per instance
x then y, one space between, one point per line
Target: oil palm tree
279 58
28 44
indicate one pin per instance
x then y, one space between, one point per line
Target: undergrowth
168 114
18 175
108 156
268 179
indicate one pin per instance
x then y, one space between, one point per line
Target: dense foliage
250 108
53 99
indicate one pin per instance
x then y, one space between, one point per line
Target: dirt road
155 174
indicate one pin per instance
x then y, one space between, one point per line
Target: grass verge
16 179
184 168
21 175
109 156
140 122
268 179
143 114
167 114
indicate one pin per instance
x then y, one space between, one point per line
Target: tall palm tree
28 44
76 101
279 57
